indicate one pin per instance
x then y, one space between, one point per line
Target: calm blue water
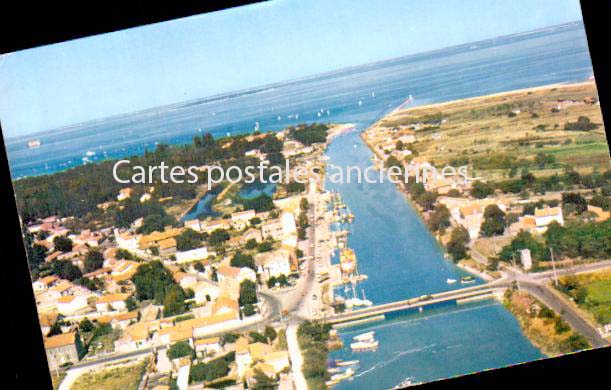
254 190
202 209
554 55
392 245
403 260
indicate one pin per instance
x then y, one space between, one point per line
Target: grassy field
593 291
494 133
119 378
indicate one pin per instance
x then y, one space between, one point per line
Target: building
240 219
547 215
279 228
210 226
196 254
167 247
135 337
208 346
193 224
274 264
62 349
111 302
206 291
525 259
43 284
125 193
230 279
71 304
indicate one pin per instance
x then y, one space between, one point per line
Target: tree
494 221
241 260
218 236
583 124
263 382
188 239
270 333
131 304
210 371
524 240
62 244
248 292
440 218
155 222
576 199
93 261
249 310
152 281
180 349
481 190
251 244
457 246
174 301
85 325
427 200
66 270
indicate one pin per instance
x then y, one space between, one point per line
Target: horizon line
277 83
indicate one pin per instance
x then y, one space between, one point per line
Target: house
526 259
155 238
246 354
240 219
274 264
145 197
43 284
196 254
135 337
230 279
547 215
210 226
123 270
71 304
184 280
62 349
225 306
167 247
111 302
126 240
205 291
125 193
193 224
279 228
208 346
526 223
252 234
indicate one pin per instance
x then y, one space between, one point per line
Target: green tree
93 261
180 349
86 326
62 244
481 190
242 260
188 239
174 301
440 218
457 246
248 292
494 221
218 237
263 382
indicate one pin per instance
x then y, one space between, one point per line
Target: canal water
403 260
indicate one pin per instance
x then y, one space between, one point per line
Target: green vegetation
180 349
189 239
494 221
592 292
583 124
210 371
62 244
248 293
309 134
542 326
242 260
457 246
586 240
93 261
124 377
154 281
439 218
313 338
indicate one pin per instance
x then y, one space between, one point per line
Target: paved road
296 356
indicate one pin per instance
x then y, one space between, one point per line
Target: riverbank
544 328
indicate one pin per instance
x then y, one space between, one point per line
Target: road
296 356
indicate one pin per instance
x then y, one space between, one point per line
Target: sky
184 59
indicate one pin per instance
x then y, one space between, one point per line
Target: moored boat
364 345
368 336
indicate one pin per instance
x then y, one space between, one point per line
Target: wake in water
396 356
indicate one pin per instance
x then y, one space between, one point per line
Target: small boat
342 363
334 370
467 279
364 345
35 143
368 336
450 281
90 153
344 375
407 382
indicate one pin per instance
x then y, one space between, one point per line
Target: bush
180 349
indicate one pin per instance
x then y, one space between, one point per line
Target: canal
402 259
